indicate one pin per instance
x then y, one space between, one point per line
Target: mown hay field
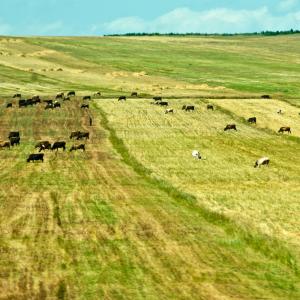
136 216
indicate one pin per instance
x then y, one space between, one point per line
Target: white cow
196 154
262 161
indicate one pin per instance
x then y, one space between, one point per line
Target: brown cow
75 148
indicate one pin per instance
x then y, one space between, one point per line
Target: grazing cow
36 157
122 98
97 94
29 102
189 108
285 129
163 103
58 145
49 106
48 101
44 145
22 103
74 134
14 141
157 98
56 105
266 97
75 148
86 98
210 107
36 99
66 99
84 106
252 120
60 96
262 161
17 96
196 154
134 94
230 127
83 135
8 105
14 134
71 93
170 110
5 145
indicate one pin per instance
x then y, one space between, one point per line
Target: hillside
135 216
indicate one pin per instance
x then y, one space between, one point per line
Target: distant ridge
262 33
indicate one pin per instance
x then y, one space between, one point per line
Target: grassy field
135 216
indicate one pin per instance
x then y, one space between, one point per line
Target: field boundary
264 244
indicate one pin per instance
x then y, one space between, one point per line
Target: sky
98 17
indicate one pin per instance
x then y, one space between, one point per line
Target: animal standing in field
22 103
97 94
74 134
56 105
15 141
5 145
48 101
75 148
168 111
83 135
285 129
122 98
71 93
189 107
134 94
66 99
230 127
36 157
60 96
17 96
58 145
196 154
9 105
157 98
49 106
266 97
252 120
84 106
163 103
14 134
262 161
210 107
86 98
44 145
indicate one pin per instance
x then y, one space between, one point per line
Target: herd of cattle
14 137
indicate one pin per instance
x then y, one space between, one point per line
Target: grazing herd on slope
14 137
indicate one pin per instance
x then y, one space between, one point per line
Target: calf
170 110
5 145
36 157
122 98
14 141
83 135
75 148
84 106
8 105
58 145
285 129
209 107
230 127
262 161
196 154
252 120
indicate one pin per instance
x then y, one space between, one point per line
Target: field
135 216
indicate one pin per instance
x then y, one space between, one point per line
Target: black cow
285 129
60 96
86 98
266 97
71 93
56 105
74 134
252 120
189 108
22 103
17 96
14 141
134 94
230 127
84 106
157 98
14 134
58 145
36 99
210 107
163 103
8 105
29 102
83 135
36 157
44 145
75 148
49 106
66 99
48 101
122 98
